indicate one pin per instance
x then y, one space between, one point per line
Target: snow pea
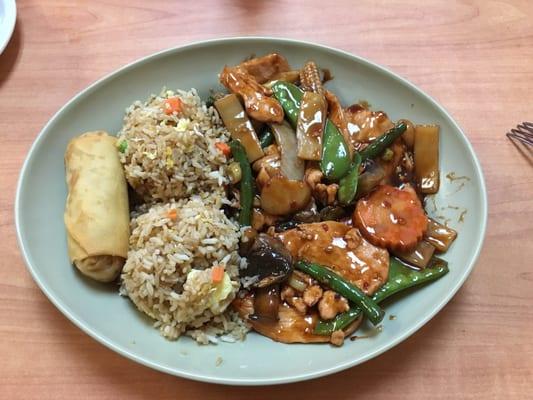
379 145
335 161
290 97
348 183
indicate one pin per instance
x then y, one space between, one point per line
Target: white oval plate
114 321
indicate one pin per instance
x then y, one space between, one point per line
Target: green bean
246 185
335 161
266 139
401 277
379 145
343 287
341 321
348 183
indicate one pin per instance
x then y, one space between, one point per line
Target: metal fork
523 132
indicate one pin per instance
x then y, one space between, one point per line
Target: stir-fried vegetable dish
330 202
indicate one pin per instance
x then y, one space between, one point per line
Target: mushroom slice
269 262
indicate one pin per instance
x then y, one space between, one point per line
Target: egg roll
97 210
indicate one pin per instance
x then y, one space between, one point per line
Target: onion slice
292 167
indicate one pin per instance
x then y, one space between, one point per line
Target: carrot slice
172 214
224 148
391 217
172 104
217 274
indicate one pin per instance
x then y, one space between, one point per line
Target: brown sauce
342 249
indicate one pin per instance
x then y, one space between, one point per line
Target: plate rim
11 19
65 310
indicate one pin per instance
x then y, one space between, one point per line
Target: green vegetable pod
401 278
290 97
379 145
266 139
343 287
335 161
246 183
348 183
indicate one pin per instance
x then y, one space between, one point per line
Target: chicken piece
353 239
298 304
365 125
332 304
291 327
326 194
312 295
262 178
287 292
256 98
391 217
337 338
267 166
366 266
265 68
289 295
313 176
261 219
292 76
271 163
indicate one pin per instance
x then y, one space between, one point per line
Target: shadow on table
11 54
525 150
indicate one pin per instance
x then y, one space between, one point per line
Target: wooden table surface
473 56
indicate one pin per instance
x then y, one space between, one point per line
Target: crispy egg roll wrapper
97 210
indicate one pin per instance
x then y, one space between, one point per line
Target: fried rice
171 156
180 232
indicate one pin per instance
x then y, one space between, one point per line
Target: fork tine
523 133
525 128
520 132
528 125
521 138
